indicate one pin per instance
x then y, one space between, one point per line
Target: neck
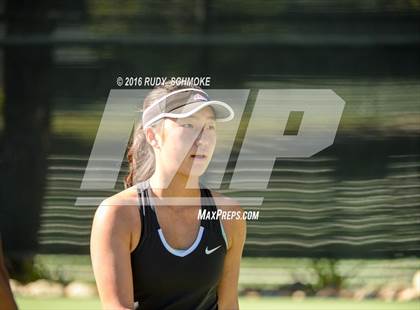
178 186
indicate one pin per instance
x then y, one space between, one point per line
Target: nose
200 140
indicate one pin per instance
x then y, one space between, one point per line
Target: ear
152 137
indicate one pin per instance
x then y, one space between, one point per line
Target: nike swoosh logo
212 250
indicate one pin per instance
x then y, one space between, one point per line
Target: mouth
198 156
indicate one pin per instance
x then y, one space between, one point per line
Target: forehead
204 113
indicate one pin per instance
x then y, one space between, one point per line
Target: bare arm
228 286
110 254
7 301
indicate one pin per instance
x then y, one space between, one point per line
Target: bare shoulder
119 214
122 203
225 203
234 225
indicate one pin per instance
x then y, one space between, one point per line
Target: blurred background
339 227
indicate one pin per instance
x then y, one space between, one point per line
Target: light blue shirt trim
178 252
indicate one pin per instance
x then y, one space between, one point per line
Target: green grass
276 303
260 272
26 303
246 303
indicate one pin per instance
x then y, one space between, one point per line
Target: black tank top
167 278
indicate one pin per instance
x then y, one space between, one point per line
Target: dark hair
140 155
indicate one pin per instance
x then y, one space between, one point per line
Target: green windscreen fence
307 210
360 197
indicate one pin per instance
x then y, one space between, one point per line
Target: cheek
177 142
211 138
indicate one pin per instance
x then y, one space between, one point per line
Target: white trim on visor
186 114
173 93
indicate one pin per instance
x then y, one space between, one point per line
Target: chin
195 172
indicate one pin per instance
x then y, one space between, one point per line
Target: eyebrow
210 117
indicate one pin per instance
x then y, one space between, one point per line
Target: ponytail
141 158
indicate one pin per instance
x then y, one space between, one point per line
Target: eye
187 125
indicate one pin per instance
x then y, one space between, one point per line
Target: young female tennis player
149 247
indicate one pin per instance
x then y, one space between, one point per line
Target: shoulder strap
217 224
146 214
207 198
